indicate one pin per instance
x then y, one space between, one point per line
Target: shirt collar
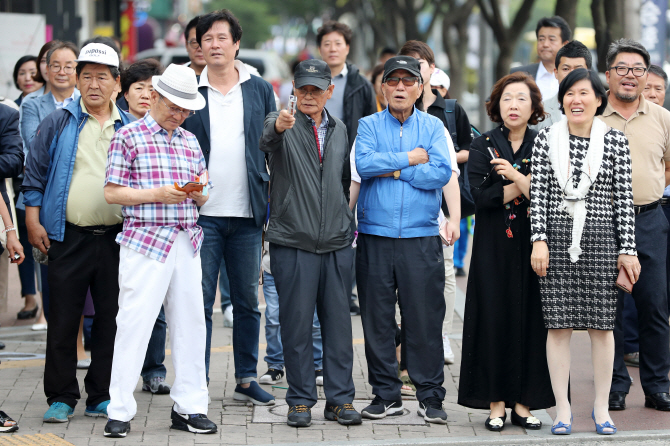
343 73
643 107
66 101
115 116
542 72
239 66
324 119
154 127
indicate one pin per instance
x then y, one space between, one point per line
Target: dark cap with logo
312 72
402 63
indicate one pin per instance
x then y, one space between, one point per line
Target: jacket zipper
402 199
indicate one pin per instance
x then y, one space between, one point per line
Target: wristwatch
396 174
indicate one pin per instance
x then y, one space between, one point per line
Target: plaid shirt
321 130
141 157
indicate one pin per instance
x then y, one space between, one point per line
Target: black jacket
309 200
359 101
11 148
530 69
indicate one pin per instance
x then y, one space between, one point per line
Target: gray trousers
303 280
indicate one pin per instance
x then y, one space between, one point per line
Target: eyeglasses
193 44
68 69
623 71
315 93
174 111
406 81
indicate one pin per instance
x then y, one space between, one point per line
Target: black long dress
504 356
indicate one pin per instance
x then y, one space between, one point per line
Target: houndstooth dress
583 294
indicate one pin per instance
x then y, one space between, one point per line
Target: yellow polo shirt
86 205
648 133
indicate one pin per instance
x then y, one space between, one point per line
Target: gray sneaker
156 385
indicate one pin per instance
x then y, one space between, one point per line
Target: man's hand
284 122
417 156
169 195
37 236
198 197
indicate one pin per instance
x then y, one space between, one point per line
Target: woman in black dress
504 363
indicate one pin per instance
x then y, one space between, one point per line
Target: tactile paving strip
34 440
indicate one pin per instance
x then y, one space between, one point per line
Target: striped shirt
141 157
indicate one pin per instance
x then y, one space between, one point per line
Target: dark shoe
272 376
299 416
460 272
195 422
632 359
618 401
27 314
116 429
255 394
658 401
7 424
531 422
156 385
496 424
344 414
354 309
431 410
319 377
379 408
2 345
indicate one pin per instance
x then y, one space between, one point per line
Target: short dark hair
388 50
580 74
419 48
138 72
493 104
574 50
653 69
114 71
189 26
45 49
205 23
555 22
377 71
18 65
626 46
332 26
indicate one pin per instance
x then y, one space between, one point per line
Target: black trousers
303 280
80 261
410 272
651 299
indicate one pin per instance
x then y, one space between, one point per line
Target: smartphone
494 156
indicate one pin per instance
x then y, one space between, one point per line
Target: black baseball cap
402 63
312 72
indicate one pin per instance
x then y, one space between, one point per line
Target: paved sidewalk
22 397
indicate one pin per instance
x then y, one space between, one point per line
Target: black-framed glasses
623 71
314 93
68 69
174 111
193 44
406 81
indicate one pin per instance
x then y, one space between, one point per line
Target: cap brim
97 62
409 70
190 104
317 82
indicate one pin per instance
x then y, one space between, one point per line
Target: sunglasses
406 81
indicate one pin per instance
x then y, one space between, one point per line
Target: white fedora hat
179 84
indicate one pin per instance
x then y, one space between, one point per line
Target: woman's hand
450 231
503 167
539 259
632 265
14 247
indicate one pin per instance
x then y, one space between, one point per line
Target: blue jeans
461 246
224 286
238 242
155 356
274 352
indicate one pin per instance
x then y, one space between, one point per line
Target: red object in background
128 30
49 35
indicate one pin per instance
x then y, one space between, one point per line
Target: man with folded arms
160 251
310 248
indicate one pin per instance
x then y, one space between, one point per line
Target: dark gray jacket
359 101
309 201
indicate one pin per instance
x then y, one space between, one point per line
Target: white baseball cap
179 84
440 79
99 53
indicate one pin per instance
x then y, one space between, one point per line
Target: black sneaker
431 410
196 423
272 376
354 309
344 414
299 416
116 428
379 408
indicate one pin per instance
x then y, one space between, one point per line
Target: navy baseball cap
312 72
402 63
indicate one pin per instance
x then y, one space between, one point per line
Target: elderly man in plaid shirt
160 251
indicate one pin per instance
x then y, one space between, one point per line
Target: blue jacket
33 111
259 101
407 207
50 162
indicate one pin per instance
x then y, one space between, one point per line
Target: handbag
623 282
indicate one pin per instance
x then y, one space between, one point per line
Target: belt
646 207
95 230
665 201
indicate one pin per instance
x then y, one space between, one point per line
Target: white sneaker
84 363
228 317
448 354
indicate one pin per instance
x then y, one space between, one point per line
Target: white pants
146 284
449 287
